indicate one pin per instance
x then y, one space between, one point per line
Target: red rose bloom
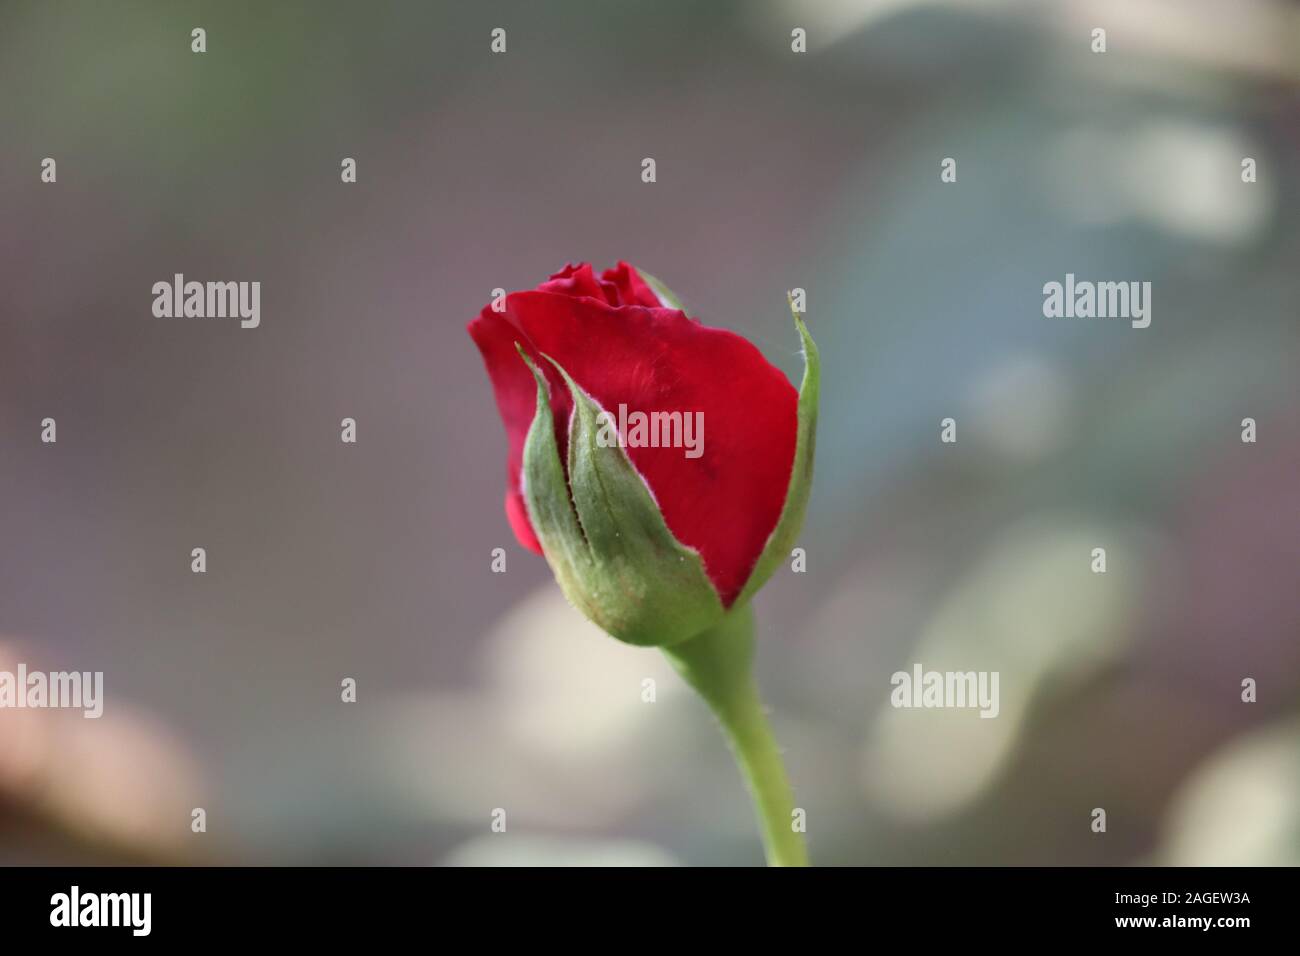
624 346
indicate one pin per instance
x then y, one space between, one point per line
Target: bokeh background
479 690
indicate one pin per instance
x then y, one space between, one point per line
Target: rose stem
718 664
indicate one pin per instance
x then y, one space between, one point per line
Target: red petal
579 280
632 289
516 394
517 515
725 503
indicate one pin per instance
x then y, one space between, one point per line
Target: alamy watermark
130 910
61 690
946 689
652 430
1102 300
208 300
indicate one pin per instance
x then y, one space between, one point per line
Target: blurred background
478 691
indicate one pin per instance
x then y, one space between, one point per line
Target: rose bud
661 466
663 469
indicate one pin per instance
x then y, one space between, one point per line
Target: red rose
625 347
661 542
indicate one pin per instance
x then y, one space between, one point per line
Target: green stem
717 664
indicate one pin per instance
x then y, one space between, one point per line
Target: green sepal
603 534
788 526
666 295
